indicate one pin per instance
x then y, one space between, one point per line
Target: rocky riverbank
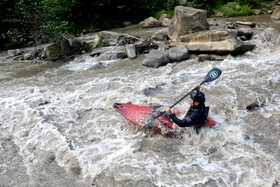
188 34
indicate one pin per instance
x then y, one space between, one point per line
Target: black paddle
212 75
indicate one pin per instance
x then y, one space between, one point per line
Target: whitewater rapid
58 126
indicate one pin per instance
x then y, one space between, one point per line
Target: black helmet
198 96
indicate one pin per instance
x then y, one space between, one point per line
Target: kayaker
197 113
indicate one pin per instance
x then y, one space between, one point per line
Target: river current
58 126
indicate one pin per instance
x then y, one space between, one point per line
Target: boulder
179 53
185 20
276 13
156 59
130 51
161 35
149 23
216 41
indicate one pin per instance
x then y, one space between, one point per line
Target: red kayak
140 115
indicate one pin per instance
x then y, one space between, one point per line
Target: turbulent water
58 126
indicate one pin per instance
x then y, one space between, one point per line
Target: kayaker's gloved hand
197 88
168 111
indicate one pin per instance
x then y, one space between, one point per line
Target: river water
58 126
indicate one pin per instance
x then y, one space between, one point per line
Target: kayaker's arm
186 122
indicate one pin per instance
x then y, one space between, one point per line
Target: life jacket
203 111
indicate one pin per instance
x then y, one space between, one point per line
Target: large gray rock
179 53
156 59
276 13
216 41
185 20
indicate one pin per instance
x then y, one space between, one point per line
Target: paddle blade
212 75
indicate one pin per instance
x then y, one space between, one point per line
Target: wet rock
216 41
276 13
219 25
187 19
179 53
249 101
63 50
130 51
149 23
109 53
246 137
156 59
15 52
210 57
161 35
108 38
146 46
245 33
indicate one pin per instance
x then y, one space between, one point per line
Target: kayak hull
141 115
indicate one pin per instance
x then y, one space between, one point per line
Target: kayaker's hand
197 87
168 111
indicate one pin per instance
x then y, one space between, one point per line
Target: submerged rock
210 57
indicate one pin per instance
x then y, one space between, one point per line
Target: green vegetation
31 22
235 9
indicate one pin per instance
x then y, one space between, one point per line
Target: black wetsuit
195 117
